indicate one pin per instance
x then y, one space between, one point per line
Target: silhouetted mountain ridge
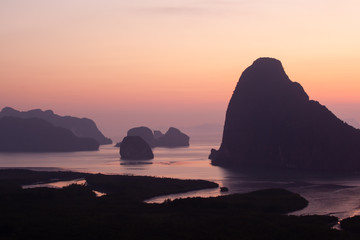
38 135
81 127
270 122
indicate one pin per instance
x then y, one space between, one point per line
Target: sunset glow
163 63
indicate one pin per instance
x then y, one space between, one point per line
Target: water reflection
61 184
99 194
214 192
327 194
188 162
56 184
132 167
337 195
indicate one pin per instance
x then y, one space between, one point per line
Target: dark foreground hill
74 212
37 135
270 122
81 127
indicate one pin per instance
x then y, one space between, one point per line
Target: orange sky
162 63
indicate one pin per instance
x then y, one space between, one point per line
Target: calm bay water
327 194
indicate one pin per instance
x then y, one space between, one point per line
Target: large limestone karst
270 122
81 127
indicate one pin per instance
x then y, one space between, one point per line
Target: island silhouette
38 135
171 139
135 148
81 127
271 123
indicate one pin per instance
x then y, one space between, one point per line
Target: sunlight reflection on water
56 184
326 195
188 162
61 184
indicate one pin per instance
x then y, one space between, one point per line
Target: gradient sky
166 63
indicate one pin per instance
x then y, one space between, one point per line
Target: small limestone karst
143 132
135 148
173 138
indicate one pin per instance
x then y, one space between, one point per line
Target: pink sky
171 63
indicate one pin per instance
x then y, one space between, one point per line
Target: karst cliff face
135 148
38 135
81 127
270 122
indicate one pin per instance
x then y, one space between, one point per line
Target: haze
171 63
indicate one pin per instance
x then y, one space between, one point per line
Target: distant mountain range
271 123
81 127
37 135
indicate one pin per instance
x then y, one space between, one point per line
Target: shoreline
110 184
123 214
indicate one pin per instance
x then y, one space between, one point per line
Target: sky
161 63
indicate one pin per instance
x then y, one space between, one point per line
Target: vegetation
352 225
75 212
27 177
139 188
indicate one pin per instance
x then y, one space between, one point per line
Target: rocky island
37 135
145 133
172 138
81 127
271 122
135 148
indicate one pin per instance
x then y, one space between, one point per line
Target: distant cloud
221 1
182 10
199 7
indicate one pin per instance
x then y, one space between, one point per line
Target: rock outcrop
81 127
158 134
37 135
270 122
143 132
173 138
135 148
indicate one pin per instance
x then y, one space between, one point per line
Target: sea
327 194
